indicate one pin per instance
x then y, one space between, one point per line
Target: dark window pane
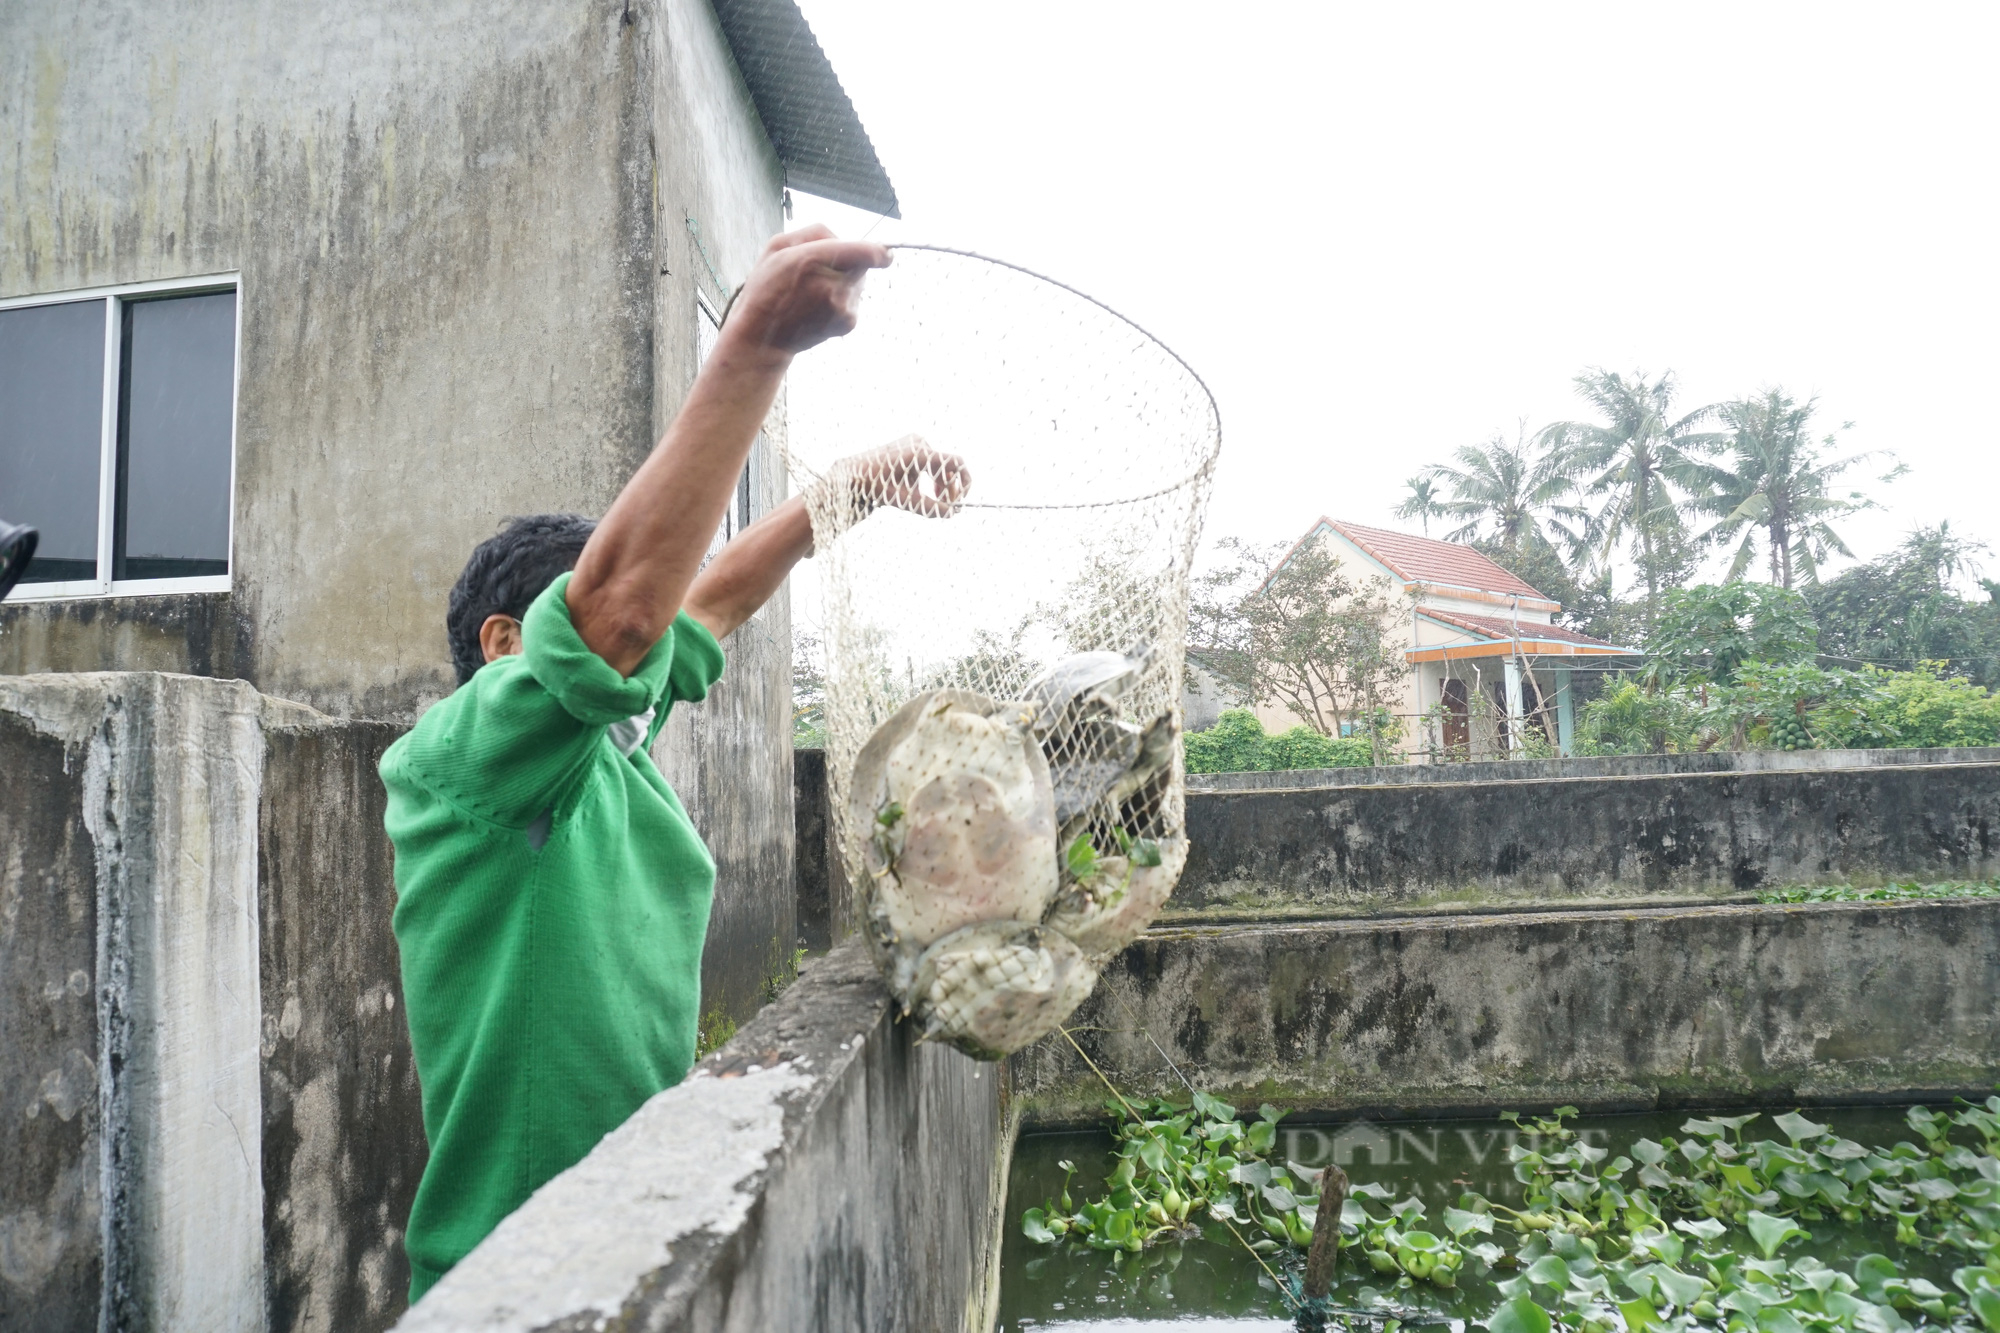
173 445
51 432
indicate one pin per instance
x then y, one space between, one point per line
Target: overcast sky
1383 231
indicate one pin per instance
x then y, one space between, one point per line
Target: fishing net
1031 641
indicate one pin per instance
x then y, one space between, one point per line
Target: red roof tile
1499 627
1427 560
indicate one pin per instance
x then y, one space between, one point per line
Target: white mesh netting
1002 683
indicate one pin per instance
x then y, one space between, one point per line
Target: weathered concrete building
297 303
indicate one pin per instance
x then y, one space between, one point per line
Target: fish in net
1002 687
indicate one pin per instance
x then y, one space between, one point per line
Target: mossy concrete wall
222 1127
1614 1010
209 1114
1357 850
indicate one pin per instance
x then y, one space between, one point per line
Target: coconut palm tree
1777 485
1423 501
1514 495
1645 463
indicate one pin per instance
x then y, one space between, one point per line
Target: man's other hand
908 474
803 291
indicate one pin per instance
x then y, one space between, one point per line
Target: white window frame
107 464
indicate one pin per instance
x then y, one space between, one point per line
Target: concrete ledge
1607 766
1356 850
821 1171
1609 1010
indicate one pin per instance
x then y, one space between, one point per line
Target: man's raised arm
636 570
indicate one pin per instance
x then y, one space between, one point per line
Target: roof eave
807 115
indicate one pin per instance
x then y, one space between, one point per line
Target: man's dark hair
505 574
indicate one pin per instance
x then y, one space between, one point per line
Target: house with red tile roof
1487 660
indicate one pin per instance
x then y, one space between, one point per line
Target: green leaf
1210 1107
1280 1198
1262 1136
1461 1223
1154 1154
1639 1315
1145 852
1081 858
1871 1271
1706 1228
1649 1152
1770 1232
1255 1174
1986 1304
1777 1319
1035 1226
1662 1245
1683 1289
1797 1128
1519 1315
889 815
1549 1271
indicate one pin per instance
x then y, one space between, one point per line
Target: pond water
1214 1285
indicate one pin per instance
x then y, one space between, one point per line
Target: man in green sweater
552 897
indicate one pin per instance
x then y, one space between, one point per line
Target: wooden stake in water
1325 1249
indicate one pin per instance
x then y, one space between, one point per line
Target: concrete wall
1609 1010
343 1142
228 1131
51 1246
820 1172
1381 848
194 879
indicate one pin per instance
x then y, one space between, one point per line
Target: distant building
1205 695
1487 662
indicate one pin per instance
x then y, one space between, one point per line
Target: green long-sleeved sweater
552 898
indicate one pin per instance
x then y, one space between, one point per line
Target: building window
707 332
117 437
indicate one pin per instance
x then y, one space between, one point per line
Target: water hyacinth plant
1708 1231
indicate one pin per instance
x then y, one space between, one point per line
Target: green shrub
1302 747
1926 708
1238 743
1235 744
1627 720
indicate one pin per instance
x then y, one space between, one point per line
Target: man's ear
500 636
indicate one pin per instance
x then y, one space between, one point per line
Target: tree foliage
1902 609
1779 484
1511 496
1706 633
1644 462
1297 630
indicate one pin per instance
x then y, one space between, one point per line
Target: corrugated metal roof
1497 628
805 110
1427 560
